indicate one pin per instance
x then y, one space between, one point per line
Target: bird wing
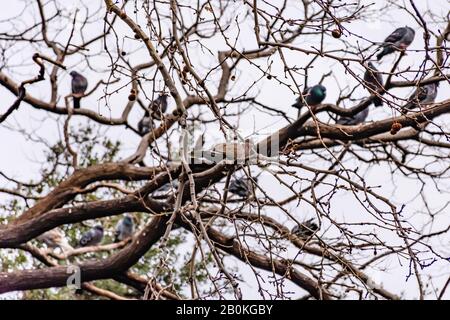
361 116
418 95
422 93
298 103
395 36
79 84
373 79
118 231
87 237
162 103
140 126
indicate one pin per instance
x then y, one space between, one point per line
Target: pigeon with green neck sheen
313 96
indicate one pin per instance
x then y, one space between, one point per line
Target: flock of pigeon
313 96
93 237
400 39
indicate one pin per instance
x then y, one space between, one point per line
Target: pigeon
168 187
422 95
158 106
374 81
358 118
313 96
236 151
242 186
55 239
93 237
79 86
306 229
400 39
145 125
124 229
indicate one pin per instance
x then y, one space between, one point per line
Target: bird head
99 228
370 65
319 92
127 220
73 73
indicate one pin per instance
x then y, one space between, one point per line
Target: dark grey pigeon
93 237
374 81
241 186
306 229
400 39
79 86
313 96
358 118
124 229
169 187
423 95
145 125
158 106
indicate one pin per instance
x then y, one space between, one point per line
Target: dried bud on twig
396 126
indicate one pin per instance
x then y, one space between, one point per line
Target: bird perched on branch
158 106
313 96
79 86
242 186
145 125
235 151
55 238
400 39
422 95
358 118
374 80
305 229
171 186
124 229
92 237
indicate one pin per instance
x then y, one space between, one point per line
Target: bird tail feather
76 103
380 55
378 102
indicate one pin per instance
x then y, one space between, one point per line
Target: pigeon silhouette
145 125
79 86
358 118
305 229
422 95
124 229
374 80
92 237
313 97
400 39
